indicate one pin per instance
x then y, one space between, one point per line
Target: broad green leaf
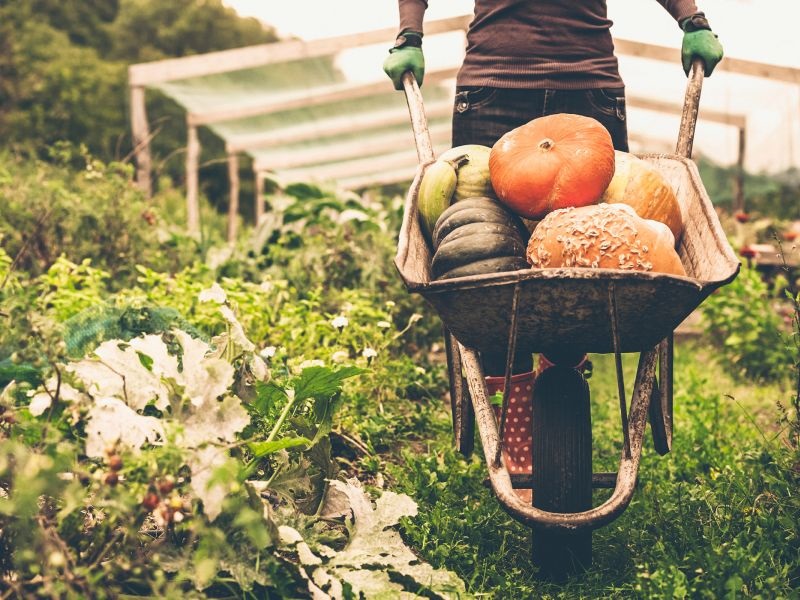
291 480
316 382
268 395
260 449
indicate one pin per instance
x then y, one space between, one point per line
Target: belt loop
621 108
548 94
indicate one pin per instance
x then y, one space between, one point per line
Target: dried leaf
214 421
376 563
203 463
117 372
112 421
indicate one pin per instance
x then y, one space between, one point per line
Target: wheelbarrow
576 311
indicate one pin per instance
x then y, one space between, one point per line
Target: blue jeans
481 115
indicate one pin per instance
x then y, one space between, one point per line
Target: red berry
111 479
165 486
150 500
748 252
115 462
742 216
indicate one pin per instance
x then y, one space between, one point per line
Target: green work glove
406 55
699 42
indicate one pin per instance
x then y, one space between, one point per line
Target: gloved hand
699 42
405 56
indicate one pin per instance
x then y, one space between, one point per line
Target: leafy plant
90 213
742 320
166 465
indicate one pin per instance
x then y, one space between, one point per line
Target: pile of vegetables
549 194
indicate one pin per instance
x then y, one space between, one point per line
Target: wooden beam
304 98
738 196
248 57
730 65
259 197
233 202
351 149
377 179
658 144
192 183
140 131
332 127
737 120
151 73
758 69
351 168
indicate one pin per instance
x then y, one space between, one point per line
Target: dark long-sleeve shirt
539 43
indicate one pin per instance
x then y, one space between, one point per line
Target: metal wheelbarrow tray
571 308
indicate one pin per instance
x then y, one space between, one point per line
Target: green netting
251 86
301 79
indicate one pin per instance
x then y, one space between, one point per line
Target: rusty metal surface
500 479
460 404
661 401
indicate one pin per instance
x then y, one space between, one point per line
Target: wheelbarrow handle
419 122
691 105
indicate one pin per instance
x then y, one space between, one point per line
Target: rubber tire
562 468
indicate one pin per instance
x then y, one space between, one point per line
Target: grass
716 518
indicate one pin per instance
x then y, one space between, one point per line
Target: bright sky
757 30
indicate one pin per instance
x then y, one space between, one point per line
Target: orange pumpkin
552 162
604 236
642 187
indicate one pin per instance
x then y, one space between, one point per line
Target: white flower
340 356
390 303
369 353
340 322
237 331
39 403
414 318
268 352
213 294
311 363
259 368
352 214
384 324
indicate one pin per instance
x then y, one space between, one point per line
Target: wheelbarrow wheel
562 468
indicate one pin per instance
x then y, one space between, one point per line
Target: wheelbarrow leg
461 410
562 468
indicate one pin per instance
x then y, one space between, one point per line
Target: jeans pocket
608 101
468 97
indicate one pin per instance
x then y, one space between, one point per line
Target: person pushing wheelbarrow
528 59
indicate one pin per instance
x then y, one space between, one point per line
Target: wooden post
192 167
140 131
739 182
259 199
233 204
